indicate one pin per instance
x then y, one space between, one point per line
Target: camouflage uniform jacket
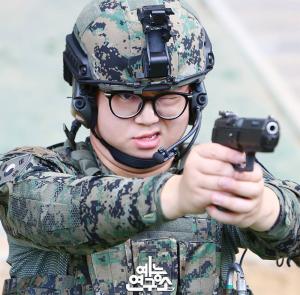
74 227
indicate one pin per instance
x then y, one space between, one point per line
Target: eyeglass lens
167 106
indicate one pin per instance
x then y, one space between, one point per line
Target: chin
145 154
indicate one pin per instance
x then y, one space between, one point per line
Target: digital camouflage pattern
112 36
188 249
74 227
74 232
50 284
60 201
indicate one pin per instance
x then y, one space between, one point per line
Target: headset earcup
84 109
199 101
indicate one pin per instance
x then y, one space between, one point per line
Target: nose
147 116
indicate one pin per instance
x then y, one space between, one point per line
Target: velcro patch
13 167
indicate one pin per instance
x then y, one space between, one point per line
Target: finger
253 176
220 152
210 182
215 167
202 199
241 188
233 203
228 217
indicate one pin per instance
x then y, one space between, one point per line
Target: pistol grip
248 166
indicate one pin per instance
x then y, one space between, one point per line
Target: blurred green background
33 95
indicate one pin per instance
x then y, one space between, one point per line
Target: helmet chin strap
159 157
125 159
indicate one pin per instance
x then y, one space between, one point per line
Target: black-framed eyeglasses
166 105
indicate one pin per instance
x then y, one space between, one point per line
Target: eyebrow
182 89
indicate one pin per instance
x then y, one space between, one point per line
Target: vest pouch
155 262
44 285
200 259
186 252
110 269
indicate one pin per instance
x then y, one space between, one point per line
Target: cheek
105 118
183 121
108 124
177 127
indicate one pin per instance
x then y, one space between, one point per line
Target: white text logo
150 277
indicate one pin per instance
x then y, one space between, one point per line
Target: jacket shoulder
20 160
13 166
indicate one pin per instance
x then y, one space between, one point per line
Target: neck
119 169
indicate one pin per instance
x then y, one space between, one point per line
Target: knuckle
249 206
212 153
203 166
228 154
236 186
214 150
257 191
239 175
222 168
237 205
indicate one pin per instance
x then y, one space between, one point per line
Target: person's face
142 135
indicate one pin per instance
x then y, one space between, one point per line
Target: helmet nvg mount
136 46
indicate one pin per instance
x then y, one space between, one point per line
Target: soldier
88 217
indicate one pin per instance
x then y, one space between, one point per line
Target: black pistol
249 135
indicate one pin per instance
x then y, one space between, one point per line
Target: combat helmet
136 46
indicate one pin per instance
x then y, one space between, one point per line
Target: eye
171 98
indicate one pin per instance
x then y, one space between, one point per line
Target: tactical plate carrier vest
188 249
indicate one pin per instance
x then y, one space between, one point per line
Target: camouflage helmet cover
111 35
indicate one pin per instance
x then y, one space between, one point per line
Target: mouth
147 135
147 140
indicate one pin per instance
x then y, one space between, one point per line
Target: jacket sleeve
282 240
46 205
